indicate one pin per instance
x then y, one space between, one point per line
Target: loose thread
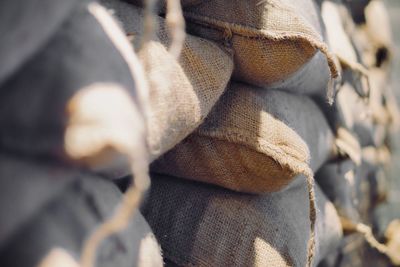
366 231
137 154
312 216
176 26
150 23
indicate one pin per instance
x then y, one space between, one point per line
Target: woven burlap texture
313 79
201 225
181 92
254 140
270 39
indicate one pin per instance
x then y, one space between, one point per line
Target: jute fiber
46 206
270 39
202 225
254 140
78 75
182 92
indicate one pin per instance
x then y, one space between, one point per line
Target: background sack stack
264 97
262 134
259 139
357 189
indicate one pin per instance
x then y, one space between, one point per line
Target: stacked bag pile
265 126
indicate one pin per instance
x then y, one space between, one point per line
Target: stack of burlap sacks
282 92
265 98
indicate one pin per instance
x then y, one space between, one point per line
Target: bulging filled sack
77 95
202 225
335 17
338 181
358 115
373 36
270 40
379 30
351 118
254 140
337 37
313 79
379 82
182 92
46 207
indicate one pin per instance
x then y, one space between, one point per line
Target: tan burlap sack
270 39
254 140
335 17
337 37
313 78
201 225
181 92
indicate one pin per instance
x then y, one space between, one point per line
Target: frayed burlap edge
229 29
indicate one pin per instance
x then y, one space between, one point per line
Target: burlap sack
201 225
181 92
339 42
254 140
355 189
44 206
379 30
271 40
313 78
379 186
358 114
338 181
373 37
26 26
379 81
76 93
